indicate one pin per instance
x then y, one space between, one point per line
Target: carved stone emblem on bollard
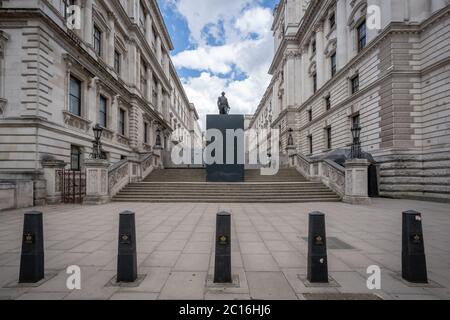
222 269
317 249
32 257
414 266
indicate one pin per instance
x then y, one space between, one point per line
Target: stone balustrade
325 171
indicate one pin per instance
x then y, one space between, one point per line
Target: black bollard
32 258
414 266
222 268
317 249
127 257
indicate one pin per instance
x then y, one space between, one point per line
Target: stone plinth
230 167
96 182
53 180
158 153
356 182
292 153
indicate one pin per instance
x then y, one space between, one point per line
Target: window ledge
123 139
76 121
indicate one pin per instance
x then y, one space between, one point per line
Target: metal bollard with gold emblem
414 266
317 249
127 257
222 269
32 257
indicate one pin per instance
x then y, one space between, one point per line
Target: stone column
111 40
132 63
138 70
96 182
158 49
114 113
290 83
53 180
160 97
133 131
88 23
148 29
149 83
320 57
356 182
305 75
342 34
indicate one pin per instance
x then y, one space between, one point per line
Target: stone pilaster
158 49
320 58
342 34
96 182
111 39
356 182
148 29
88 23
53 180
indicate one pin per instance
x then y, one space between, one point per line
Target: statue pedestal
96 182
291 153
356 182
227 161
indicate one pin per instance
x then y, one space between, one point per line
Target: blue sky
221 45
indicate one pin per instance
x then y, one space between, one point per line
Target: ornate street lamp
356 145
97 144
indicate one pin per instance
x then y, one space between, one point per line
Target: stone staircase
189 185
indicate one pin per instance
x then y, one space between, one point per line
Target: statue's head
223 94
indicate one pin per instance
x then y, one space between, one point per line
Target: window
75 96
314 47
333 64
146 132
97 41
75 158
332 21
314 82
117 61
102 116
310 117
328 137
355 84
122 127
328 103
362 36
310 144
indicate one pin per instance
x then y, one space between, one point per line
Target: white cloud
243 28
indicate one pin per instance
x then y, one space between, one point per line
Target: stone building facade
58 81
333 66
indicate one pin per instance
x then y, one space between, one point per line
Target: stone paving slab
176 250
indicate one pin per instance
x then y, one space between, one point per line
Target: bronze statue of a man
223 105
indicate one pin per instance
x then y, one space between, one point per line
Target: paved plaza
269 252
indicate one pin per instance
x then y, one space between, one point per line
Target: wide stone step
190 186
254 197
223 200
235 194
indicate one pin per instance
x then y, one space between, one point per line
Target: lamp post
356 145
97 152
